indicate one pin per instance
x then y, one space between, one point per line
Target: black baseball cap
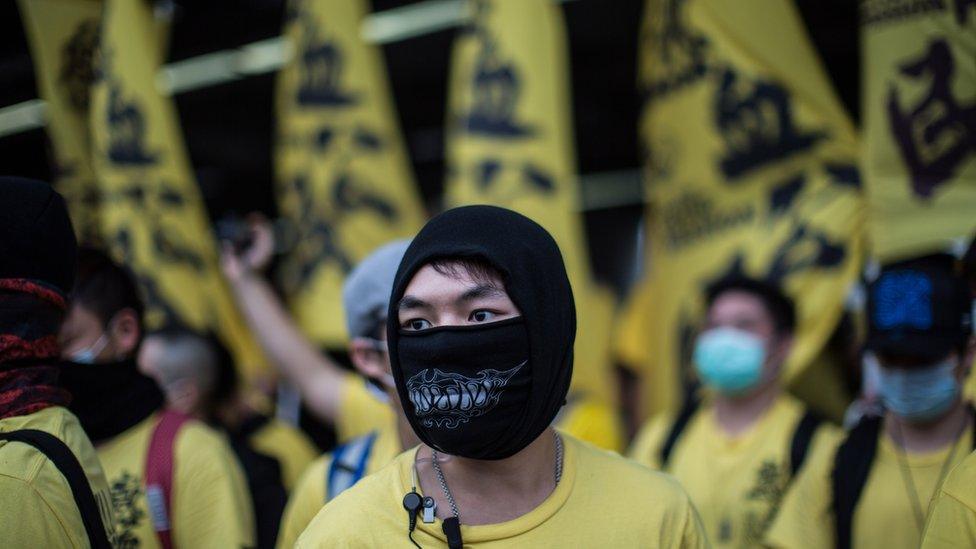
919 308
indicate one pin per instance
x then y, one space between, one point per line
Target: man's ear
125 332
183 396
368 361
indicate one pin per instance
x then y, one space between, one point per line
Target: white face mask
89 355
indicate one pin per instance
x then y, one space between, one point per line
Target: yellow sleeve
361 411
950 524
805 518
289 446
304 503
693 534
594 422
211 502
647 444
952 521
37 523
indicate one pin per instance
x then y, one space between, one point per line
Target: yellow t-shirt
603 500
310 493
952 520
286 444
211 506
736 483
591 420
37 508
884 516
362 410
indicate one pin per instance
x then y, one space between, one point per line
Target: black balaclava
535 279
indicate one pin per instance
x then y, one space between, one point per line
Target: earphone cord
410 536
413 516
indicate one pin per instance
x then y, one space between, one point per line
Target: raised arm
319 379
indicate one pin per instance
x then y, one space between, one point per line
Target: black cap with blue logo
919 308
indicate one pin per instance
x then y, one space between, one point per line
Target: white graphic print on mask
447 400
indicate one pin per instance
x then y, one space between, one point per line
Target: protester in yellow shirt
198 493
366 296
736 452
480 333
875 489
53 492
952 520
199 378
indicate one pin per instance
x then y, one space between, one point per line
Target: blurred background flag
510 143
153 217
63 35
919 97
342 174
750 166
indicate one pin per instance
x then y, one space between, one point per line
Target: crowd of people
454 426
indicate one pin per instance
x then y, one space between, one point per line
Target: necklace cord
558 474
908 479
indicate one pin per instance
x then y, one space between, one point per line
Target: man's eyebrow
481 291
410 302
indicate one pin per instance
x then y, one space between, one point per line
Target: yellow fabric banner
153 217
750 169
342 175
63 35
510 143
919 97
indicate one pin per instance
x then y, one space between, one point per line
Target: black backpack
66 462
852 465
799 444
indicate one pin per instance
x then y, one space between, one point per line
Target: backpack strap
348 465
680 422
972 412
65 460
852 465
159 474
802 437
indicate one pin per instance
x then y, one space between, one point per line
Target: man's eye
416 324
481 315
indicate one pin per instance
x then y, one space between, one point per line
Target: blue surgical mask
90 354
922 394
729 360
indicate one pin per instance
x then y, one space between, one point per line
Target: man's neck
492 491
920 438
405 435
736 415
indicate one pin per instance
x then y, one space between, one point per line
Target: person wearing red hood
53 492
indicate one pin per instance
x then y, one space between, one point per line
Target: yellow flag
342 175
919 88
510 143
153 216
751 169
63 35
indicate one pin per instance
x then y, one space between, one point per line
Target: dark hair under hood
534 277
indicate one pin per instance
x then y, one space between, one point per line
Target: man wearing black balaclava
480 332
47 498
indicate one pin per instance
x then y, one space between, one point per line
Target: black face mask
467 385
451 362
109 398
